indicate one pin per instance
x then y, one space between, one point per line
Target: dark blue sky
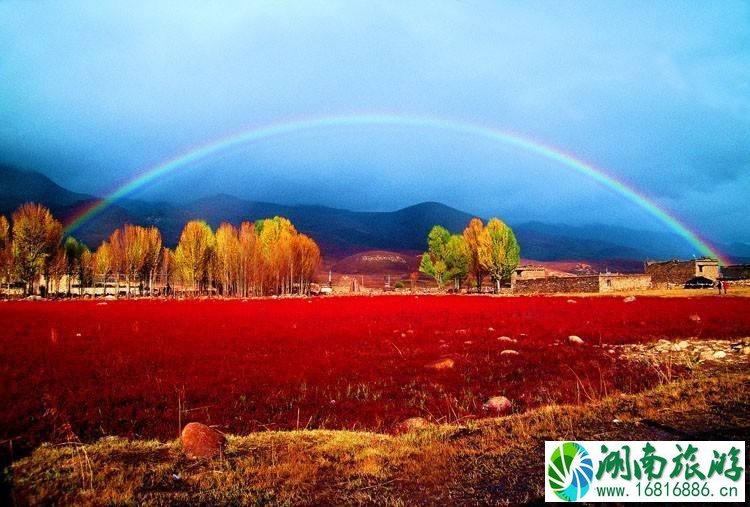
658 93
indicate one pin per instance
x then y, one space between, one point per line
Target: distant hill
379 262
17 187
340 232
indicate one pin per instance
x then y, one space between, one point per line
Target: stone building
676 273
528 272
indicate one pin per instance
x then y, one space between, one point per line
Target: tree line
479 252
264 257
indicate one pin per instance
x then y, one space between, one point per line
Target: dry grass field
493 461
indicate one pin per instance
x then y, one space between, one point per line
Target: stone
575 340
443 364
680 346
498 405
506 339
695 317
746 351
629 299
720 354
411 424
572 301
707 355
509 352
202 442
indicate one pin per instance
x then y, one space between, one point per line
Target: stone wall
613 282
736 272
670 272
554 284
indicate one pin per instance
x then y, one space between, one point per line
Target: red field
125 367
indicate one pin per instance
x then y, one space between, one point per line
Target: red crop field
140 368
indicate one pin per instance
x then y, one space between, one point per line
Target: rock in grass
506 339
720 354
575 340
629 299
412 424
200 441
509 352
695 318
443 364
746 351
498 405
707 355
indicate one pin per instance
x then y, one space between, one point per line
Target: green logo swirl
570 471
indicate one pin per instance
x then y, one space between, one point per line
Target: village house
528 272
677 273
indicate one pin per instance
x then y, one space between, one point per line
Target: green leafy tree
433 261
447 257
457 260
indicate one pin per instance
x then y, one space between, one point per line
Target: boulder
498 405
201 442
412 424
707 355
575 340
680 346
509 352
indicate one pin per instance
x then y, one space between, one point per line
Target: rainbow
258 133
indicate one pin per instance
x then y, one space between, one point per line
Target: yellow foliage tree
194 253
499 252
472 236
36 236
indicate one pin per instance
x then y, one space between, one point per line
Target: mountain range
342 232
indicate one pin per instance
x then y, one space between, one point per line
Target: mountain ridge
340 232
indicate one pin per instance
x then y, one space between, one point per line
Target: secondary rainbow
257 133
